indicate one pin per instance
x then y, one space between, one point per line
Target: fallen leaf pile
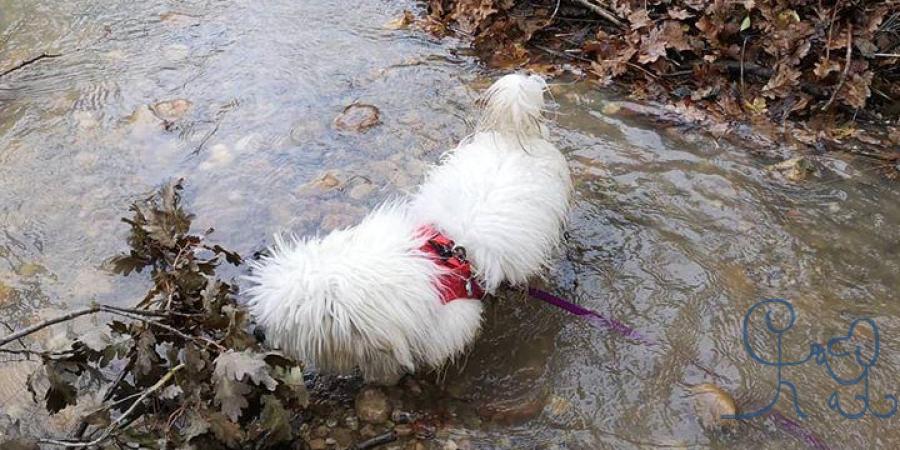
825 65
181 369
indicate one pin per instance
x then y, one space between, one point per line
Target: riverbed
673 232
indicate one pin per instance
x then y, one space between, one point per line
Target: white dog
395 293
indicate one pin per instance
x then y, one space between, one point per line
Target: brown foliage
773 60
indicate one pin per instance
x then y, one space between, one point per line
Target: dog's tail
514 106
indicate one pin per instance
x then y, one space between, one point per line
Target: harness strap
458 282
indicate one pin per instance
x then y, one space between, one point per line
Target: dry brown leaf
640 19
782 83
653 46
679 14
673 33
470 14
825 67
400 22
856 90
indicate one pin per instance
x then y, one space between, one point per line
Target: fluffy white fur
367 296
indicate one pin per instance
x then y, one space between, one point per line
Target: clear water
672 233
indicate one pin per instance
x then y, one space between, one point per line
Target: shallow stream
673 233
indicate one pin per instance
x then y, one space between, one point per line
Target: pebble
219 156
86 120
343 437
710 404
398 416
450 445
330 441
179 19
171 110
29 270
372 406
321 431
403 430
5 292
176 52
317 444
361 191
368 431
413 387
352 423
357 117
327 181
331 423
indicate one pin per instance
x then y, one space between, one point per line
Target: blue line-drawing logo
824 355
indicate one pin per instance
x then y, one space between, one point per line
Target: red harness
458 282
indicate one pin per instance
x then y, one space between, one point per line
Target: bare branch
602 12
27 62
39 326
112 427
846 68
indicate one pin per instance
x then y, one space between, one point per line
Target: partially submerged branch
28 62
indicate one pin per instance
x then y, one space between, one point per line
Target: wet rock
398 416
401 22
513 410
29 270
18 444
357 118
392 171
413 387
330 441
343 437
171 110
710 404
558 406
327 182
86 120
337 222
368 431
219 156
5 292
179 19
143 118
317 444
403 430
795 169
611 108
176 52
352 423
362 190
372 406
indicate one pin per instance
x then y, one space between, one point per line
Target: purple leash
594 318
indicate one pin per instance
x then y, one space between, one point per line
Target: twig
29 61
886 55
555 10
743 48
173 330
601 11
846 67
133 314
112 427
381 439
39 326
82 427
830 28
